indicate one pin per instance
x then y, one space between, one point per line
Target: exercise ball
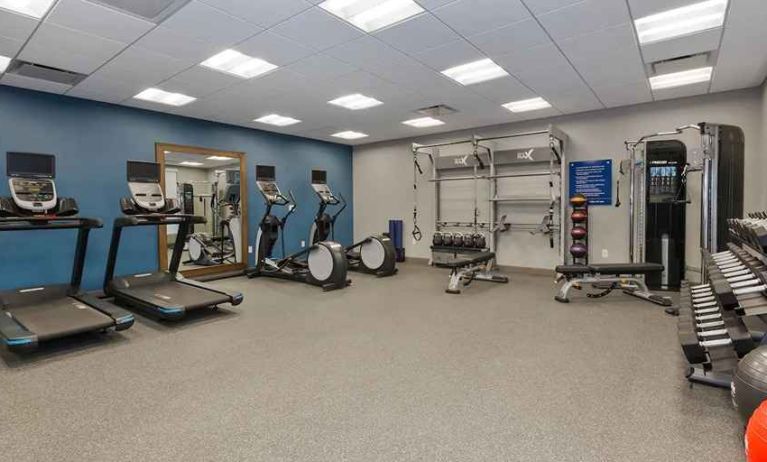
447 239
756 435
578 250
578 200
749 383
578 232
437 238
579 216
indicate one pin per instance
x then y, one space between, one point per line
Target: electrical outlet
250 249
605 254
303 244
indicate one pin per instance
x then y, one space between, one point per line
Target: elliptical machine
374 255
325 263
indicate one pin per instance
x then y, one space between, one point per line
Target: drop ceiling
579 55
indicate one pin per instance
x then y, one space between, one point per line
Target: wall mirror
210 183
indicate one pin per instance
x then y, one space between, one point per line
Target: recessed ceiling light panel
678 79
235 63
532 104
4 62
278 120
350 135
681 21
218 158
156 95
424 122
475 72
34 8
355 102
192 164
371 15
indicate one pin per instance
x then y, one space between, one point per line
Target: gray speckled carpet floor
386 370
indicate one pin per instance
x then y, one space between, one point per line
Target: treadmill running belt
59 317
175 294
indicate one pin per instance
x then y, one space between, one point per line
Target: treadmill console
144 185
31 181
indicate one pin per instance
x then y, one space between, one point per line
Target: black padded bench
607 277
465 268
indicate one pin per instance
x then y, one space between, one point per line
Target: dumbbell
447 239
436 239
479 241
457 239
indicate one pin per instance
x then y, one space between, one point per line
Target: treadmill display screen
143 172
27 165
319 177
265 173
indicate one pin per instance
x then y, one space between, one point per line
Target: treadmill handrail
43 222
156 220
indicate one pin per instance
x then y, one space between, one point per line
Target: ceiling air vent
438 110
151 10
681 63
40 72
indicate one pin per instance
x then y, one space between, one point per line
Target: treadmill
32 315
165 294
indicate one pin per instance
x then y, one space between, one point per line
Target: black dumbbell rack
585 239
443 253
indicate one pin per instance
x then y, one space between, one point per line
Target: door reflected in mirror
206 183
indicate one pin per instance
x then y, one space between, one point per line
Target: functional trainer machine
375 254
35 314
322 264
166 294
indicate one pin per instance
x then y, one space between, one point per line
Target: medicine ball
578 200
479 241
447 239
756 435
749 383
437 239
579 216
578 250
578 232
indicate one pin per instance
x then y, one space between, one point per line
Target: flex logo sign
525 155
461 161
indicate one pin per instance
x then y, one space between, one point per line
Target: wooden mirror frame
162 240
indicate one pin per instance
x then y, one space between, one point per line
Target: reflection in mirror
206 186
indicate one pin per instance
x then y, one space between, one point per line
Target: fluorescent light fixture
156 95
278 120
424 122
192 164
371 15
4 62
218 158
681 21
532 104
349 135
34 8
355 102
235 63
677 79
475 72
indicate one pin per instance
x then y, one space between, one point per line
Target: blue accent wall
92 142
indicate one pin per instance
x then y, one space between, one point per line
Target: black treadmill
165 294
36 314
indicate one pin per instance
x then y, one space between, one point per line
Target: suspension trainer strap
417 234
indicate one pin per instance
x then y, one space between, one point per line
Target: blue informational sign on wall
593 179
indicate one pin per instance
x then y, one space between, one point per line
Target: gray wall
383 172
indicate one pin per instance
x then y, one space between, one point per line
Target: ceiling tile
681 92
98 20
317 29
33 84
552 80
524 34
274 48
624 95
418 34
503 90
449 55
265 13
576 101
15 26
199 82
521 62
105 89
139 66
642 8
682 46
177 44
427 4
67 49
321 67
742 62
470 17
584 17
9 47
544 6
210 24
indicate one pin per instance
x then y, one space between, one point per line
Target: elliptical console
324 264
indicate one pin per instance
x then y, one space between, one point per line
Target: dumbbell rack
585 239
723 319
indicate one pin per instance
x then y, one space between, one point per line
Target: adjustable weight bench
466 268
608 277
